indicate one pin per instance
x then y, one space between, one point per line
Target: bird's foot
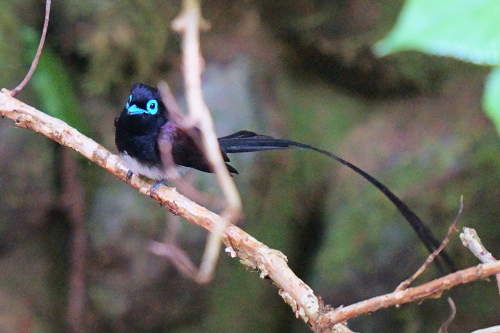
156 186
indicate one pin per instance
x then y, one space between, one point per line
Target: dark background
296 69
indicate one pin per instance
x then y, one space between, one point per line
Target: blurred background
73 239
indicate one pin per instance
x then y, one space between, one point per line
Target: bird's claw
156 185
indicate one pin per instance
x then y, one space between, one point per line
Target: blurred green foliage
491 98
465 30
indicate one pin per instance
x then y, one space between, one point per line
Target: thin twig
38 52
452 229
176 255
451 317
189 23
432 289
471 240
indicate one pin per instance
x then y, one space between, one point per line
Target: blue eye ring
152 106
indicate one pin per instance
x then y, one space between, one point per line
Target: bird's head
144 110
144 100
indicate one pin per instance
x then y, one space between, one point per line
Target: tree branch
471 240
432 289
252 253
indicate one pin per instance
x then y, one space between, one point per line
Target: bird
151 144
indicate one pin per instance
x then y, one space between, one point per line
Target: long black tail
246 141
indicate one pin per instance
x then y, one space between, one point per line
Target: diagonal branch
252 253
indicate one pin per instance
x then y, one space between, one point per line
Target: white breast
151 172
138 168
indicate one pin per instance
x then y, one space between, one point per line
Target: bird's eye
152 106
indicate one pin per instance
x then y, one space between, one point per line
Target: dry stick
433 255
168 248
34 63
471 240
432 289
189 23
449 320
252 253
176 255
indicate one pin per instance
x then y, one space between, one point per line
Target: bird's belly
136 167
152 172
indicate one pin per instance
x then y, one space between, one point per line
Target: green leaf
464 29
52 84
491 97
